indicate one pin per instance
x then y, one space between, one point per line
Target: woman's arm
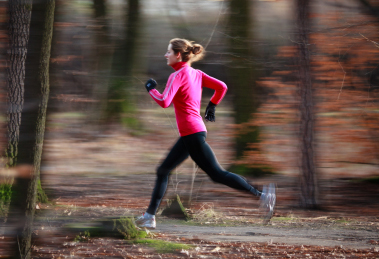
217 85
165 99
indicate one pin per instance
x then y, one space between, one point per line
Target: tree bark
34 112
120 101
100 8
19 23
308 177
242 73
371 9
103 51
243 77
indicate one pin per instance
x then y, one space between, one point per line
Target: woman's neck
179 65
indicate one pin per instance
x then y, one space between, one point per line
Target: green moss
41 195
125 226
119 228
163 246
28 7
5 192
176 209
5 199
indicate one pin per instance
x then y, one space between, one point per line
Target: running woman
184 89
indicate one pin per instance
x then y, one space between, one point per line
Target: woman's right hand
150 84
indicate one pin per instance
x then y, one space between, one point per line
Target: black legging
194 145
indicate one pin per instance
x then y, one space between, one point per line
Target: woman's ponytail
189 51
197 49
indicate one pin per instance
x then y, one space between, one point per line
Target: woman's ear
179 56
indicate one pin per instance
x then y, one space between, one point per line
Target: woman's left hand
210 112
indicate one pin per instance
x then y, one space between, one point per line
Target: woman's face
171 57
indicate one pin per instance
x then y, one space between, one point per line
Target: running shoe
267 202
144 222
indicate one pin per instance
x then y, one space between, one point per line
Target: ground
226 223
94 177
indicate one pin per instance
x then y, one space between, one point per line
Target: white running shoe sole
143 222
268 201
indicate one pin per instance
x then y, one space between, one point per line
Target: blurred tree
33 117
374 10
308 177
121 103
18 31
243 76
5 186
178 22
100 8
3 68
19 23
102 60
345 83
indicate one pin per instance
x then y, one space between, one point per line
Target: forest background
301 106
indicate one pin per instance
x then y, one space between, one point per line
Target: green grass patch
282 219
163 246
341 221
82 237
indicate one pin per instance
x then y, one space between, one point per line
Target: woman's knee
218 177
162 171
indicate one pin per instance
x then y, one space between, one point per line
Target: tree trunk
16 220
100 8
308 180
120 100
34 112
373 10
3 72
19 23
102 55
243 76
18 31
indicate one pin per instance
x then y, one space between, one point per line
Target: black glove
210 112
150 84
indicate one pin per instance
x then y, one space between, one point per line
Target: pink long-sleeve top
184 89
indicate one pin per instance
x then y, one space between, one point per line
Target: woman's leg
175 157
204 157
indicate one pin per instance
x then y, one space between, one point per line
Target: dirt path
114 175
359 239
349 222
